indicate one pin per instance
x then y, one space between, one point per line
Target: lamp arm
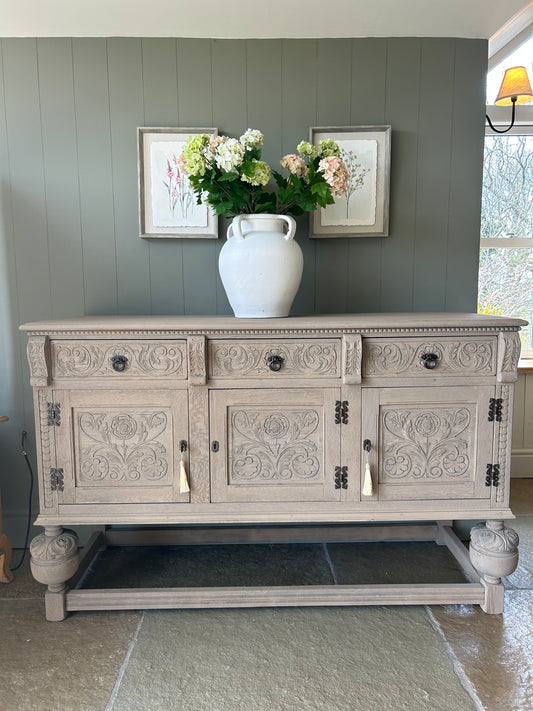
504 130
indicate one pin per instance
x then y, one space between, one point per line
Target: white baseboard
522 463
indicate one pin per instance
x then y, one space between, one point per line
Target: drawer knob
275 362
119 362
429 360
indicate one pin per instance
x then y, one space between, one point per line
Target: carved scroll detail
390 358
503 436
277 446
129 447
250 359
352 353
38 360
426 444
508 355
197 355
149 359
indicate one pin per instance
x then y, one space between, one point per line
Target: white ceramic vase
261 265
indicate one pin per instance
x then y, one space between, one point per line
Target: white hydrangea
252 138
229 155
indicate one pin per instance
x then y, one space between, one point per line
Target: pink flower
182 162
335 174
174 192
295 165
170 171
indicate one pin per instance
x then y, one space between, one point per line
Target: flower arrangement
230 176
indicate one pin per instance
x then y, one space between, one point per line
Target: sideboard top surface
336 323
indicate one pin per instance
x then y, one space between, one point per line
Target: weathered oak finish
271 420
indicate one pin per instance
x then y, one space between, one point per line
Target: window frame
524 127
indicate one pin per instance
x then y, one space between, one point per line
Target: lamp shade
515 84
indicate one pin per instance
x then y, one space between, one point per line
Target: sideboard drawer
120 358
411 356
302 358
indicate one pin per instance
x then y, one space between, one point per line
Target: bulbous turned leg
494 554
54 559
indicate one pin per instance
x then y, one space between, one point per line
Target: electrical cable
28 526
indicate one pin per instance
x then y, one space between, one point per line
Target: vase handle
234 229
291 222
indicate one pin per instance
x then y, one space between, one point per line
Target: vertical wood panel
333 109
126 113
367 109
27 178
91 92
468 135
402 109
229 88
263 96
519 412
160 90
433 185
195 106
299 106
58 120
528 413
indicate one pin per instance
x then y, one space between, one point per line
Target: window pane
506 286
507 205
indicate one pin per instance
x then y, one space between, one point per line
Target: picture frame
167 204
364 210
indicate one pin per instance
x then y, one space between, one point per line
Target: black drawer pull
275 362
429 360
119 362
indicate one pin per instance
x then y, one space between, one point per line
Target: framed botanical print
167 204
364 209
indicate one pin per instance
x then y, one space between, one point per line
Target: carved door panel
274 445
428 443
121 447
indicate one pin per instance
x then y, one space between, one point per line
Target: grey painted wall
69 240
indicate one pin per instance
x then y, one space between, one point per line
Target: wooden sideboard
350 419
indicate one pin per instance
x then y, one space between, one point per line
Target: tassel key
184 480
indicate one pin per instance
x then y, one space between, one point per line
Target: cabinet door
428 443
121 447
274 445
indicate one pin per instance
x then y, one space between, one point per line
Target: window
506 256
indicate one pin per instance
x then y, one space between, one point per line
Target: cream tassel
184 481
367 482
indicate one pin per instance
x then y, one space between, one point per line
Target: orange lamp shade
515 85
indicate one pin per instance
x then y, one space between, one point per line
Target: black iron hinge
492 477
56 480
495 409
341 412
341 477
54 413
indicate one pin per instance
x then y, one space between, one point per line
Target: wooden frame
364 210
76 598
167 204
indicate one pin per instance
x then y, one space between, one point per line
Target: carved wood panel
148 359
123 447
306 359
454 357
422 443
268 446
274 444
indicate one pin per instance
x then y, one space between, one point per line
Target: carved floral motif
151 358
488 539
426 444
128 446
306 359
274 446
47 549
475 356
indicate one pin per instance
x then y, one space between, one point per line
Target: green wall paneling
69 241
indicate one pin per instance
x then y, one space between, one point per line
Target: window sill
525 366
